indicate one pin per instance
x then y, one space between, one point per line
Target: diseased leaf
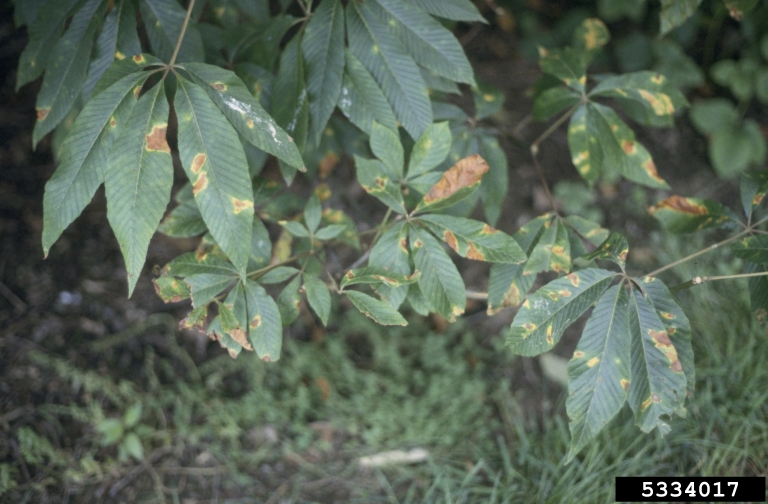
195 319
429 43
390 253
371 41
318 297
290 107
374 177
676 12
681 215
122 67
553 101
567 64
753 249
289 300
758 291
615 248
193 263
380 311
599 372
184 221
591 35
548 312
245 113
474 239
163 20
753 186
323 48
66 70
229 321
495 183
385 145
213 159
374 275
361 99
590 231
737 8
430 150
552 252
138 179
456 184
658 385
225 340
265 330
206 286
456 10
171 290
488 100
440 281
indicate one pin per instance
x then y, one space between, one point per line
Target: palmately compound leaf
375 179
385 145
474 239
245 113
66 70
390 253
681 215
658 386
753 249
379 311
213 159
615 248
753 187
599 372
430 150
361 99
428 42
323 48
138 179
455 10
548 312
265 329
676 12
440 281
163 20
318 297
457 183
371 41
84 154
677 324
567 64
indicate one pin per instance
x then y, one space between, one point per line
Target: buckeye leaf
323 48
455 10
681 215
290 107
232 323
440 281
163 20
428 42
289 300
676 12
430 150
474 239
66 70
171 290
138 179
195 319
265 329
567 64
753 249
658 384
206 286
318 297
548 312
245 113
278 275
648 97
592 34
753 187
552 101
372 42
587 229
385 145
457 183
374 177
390 253
361 99
84 154
599 372
552 251
495 184
615 248
215 163
374 275
380 311
586 151
193 263
184 221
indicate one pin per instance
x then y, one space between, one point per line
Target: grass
244 431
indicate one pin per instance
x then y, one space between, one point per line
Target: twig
701 279
478 296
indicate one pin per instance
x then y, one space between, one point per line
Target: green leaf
380 311
361 99
138 179
118 39
66 69
658 384
371 41
245 113
374 177
295 228
132 415
552 101
261 247
111 430
495 183
734 149
122 67
440 281
615 248
710 115
230 322
132 446
474 239
44 34
265 329
753 188
330 232
586 151
318 297
205 286
507 284
753 249
213 159
676 12
194 263
163 20
390 253
313 213
457 183
548 312
591 35
184 221
429 43
290 107
435 82
599 372
84 154
567 64
323 48
488 99
455 10
430 150
278 275
552 251
681 215
171 290
289 300
374 275
758 291
385 145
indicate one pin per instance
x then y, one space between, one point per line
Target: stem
479 296
181 36
701 279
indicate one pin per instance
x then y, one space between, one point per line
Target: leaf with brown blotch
687 215
457 183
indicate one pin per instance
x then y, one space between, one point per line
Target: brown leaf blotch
249 122
512 296
197 163
574 278
628 146
266 358
112 122
403 245
473 253
200 184
657 79
450 239
679 204
136 92
645 404
676 367
43 113
489 230
241 205
239 335
139 58
256 322
219 86
660 337
465 173
156 139
624 384
656 398
650 168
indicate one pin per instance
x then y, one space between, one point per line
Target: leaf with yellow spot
205 286
488 100
457 183
753 187
647 97
598 369
658 386
615 248
440 281
390 253
376 276
230 323
379 311
318 296
195 319
430 150
591 35
265 329
170 289
548 307
375 180
474 239
192 263
676 12
552 252
753 249
289 300
215 332
586 151
681 215
568 65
